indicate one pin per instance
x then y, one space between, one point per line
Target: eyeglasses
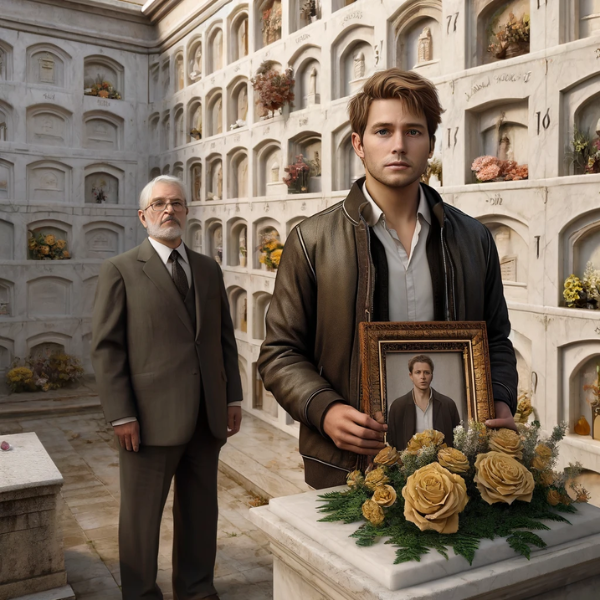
161 205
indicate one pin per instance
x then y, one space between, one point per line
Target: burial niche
6 172
195 121
240 37
215 111
588 18
5 61
269 20
513 253
179 124
237 246
270 170
179 73
101 70
195 237
195 62
101 187
49 181
347 165
308 84
196 182
166 78
587 125
355 61
166 131
47 65
48 125
45 349
238 108
102 240
308 145
6 125
6 295
178 171
239 174
580 398
49 296
216 50
7 240
102 131
262 300
154 75
215 182
215 241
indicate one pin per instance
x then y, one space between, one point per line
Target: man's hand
503 418
129 435
234 419
352 430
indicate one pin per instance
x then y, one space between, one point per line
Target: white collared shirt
410 288
165 254
424 419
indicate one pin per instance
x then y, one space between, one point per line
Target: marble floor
83 448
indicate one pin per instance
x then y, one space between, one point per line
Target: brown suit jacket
403 418
149 361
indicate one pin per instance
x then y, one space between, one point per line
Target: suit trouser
145 481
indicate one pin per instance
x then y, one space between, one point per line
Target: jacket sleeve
109 345
229 347
502 355
286 363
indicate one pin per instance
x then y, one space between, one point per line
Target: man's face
421 376
395 146
168 223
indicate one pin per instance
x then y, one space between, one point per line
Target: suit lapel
155 269
201 279
437 421
410 420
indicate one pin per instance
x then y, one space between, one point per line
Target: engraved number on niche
543 122
539 3
495 200
450 143
450 17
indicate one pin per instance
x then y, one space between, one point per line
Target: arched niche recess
268 18
338 4
49 296
353 60
49 181
289 226
6 179
261 302
486 17
99 68
269 169
48 125
165 131
7 353
179 72
194 120
347 166
523 352
579 244
195 169
165 78
579 19
59 229
102 131
239 37
238 305
6 61
166 169
215 49
418 37
194 236
178 171
215 113
238 173
48 343
498 128
265 228
154 82
243 368
214 239
103 184
6 300
154 124
7 240
154 172
262 399
102 239
237 109
237 243
308 143
6 122
195 63
307 75
302 14
214 184
179 134
48 65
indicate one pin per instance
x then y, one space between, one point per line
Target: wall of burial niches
521 103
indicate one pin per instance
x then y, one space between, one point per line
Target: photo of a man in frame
423 407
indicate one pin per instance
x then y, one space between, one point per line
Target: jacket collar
355 203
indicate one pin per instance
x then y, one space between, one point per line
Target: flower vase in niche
512 38
594 402
297 176
582 427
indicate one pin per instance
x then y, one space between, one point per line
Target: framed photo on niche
449 360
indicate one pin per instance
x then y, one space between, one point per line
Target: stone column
31 542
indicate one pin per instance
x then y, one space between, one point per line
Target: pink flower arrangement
489 168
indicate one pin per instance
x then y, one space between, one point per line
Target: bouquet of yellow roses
492 483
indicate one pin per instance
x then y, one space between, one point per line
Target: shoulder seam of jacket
306 253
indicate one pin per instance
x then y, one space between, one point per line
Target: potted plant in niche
46 246
585 154
297 176
309 11
513 38
270 251
102 89
274 89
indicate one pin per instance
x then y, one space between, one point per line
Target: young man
392 250
422 408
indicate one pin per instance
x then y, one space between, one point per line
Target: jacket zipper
445 273
369 307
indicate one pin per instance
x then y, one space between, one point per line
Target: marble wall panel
49 296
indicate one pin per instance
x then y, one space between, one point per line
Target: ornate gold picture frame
459 350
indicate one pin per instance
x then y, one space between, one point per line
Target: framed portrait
444 362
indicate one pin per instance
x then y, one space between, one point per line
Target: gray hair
146 194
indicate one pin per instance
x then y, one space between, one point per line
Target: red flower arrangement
490 168
274 89
297 176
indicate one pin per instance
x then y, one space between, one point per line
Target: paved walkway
84 450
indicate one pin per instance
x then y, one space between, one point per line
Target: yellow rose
376 477
453 460
553 497
433 498
387 457
425 438
508 442
543 451
501 478
355 478
546 478
66 254
50 240
541 460
44 249
385 495
60 244
524 409
32 244
372 512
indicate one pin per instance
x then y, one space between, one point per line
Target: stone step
21 408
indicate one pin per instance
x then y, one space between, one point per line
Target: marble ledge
582 443
27 465
583 314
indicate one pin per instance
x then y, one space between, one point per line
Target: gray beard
172 233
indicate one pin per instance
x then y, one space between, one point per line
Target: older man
165 358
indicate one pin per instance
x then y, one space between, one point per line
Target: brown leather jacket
326 285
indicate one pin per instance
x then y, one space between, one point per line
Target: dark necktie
179 276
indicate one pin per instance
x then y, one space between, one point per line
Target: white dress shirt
410 288
165 254
424 417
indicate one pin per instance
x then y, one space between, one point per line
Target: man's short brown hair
417 93
422 358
